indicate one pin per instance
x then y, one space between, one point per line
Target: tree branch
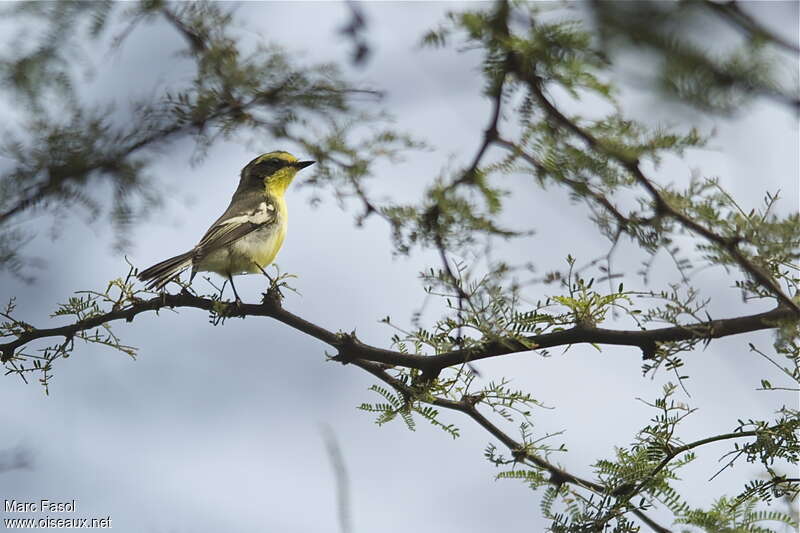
674 452
558 476
578 186
55 180
351 349
733 14
646 340
348 345
662 206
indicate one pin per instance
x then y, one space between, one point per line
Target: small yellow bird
248 235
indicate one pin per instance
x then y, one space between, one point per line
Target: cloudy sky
221 429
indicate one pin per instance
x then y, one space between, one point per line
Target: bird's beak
303 164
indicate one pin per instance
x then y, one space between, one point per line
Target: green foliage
63 149
82 308
536 62
639 477
744 517
675 36
775 440
404 407
587 306
41 70
534 478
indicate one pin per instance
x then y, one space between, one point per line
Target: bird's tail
161 273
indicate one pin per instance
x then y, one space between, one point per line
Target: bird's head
274 171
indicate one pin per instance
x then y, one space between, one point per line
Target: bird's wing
249 215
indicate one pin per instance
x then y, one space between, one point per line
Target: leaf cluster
68 153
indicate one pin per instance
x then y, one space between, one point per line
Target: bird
248 235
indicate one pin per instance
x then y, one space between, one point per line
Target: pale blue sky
219 429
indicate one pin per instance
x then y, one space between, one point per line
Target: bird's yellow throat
277 184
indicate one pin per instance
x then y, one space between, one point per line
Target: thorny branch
734 14
516 64
558 476
376 361
662 205
351 349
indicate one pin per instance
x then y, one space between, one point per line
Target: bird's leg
271 281
238 300
273 293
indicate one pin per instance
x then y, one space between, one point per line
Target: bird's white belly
247 255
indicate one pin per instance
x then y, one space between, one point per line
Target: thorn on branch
558 478
430 374
472 400
624 491
342 357
346 348
649 350
349 339
491 134
272 298
734 241
519 454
